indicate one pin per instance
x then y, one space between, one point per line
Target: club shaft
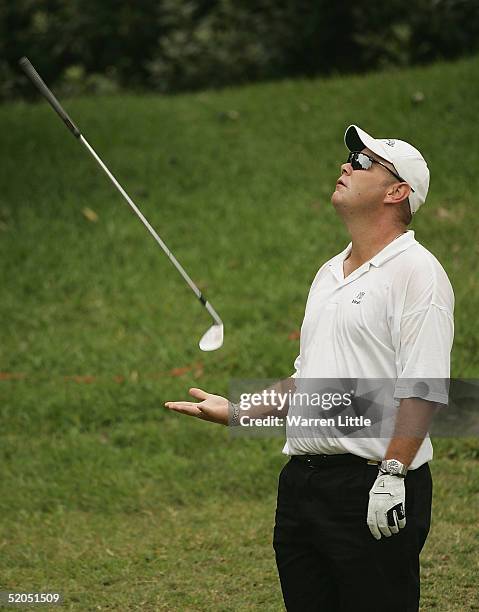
36 79
148 226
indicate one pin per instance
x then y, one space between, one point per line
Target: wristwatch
394 467
234 414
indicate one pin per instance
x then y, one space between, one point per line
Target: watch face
393 466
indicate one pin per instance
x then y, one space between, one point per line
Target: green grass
104 495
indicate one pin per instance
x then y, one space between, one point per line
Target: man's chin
335 197
340 204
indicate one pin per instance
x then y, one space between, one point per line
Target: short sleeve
297 366
297 361
426 333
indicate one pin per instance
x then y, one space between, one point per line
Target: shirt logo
390 142
358 298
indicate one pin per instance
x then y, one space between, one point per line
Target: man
348 535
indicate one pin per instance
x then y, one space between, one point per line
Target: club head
212 339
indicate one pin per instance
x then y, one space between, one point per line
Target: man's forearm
277 405
412 424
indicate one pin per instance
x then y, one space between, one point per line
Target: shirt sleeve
297 361
297 366
426 333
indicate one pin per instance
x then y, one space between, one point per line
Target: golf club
213 337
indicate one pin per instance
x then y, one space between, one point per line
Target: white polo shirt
392 318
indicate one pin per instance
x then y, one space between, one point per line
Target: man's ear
397 192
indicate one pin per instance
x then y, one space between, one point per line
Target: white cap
409 163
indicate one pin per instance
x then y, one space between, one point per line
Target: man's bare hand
212 408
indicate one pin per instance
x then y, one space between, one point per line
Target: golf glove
386 510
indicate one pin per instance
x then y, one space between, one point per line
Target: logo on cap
390 142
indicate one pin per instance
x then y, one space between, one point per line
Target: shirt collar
392 249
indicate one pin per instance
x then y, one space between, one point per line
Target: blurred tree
215 43
428 30
172 45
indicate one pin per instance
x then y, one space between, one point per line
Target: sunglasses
361 161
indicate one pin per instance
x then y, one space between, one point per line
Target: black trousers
327 559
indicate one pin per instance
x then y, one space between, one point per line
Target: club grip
37 80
